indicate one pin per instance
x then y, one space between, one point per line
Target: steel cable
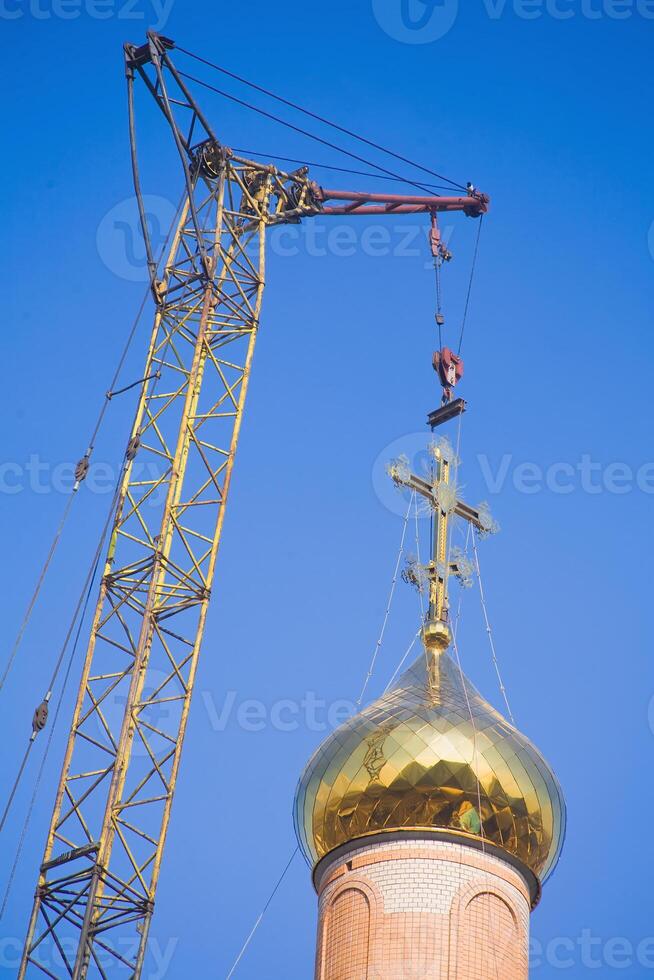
297 129
48 746
472 276
87 583
489 632
329 166
388 604
321 119
87 456
261 914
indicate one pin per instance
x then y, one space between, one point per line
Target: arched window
346 937
488 940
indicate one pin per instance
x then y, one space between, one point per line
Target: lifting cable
475 758
261 914
489 632
472 276
41 714
48 746
82 468
388 604
439 301
403 660
460 668
369 675
328 166
298 129
470 535
81 472
464 684
321 119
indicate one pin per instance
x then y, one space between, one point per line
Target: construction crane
105 844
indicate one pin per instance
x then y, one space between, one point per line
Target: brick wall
421 910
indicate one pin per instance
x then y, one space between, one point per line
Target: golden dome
414 760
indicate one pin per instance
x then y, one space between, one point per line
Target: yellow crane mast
102 861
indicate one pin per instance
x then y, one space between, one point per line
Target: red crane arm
361 202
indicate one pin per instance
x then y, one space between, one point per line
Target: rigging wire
365 685
87 582
403 660
472 276
470 534
322 119
85 460
475 758
369 675
48 746
39 583
87 587
262 913
12 793
298 129
489 632
89 579
439 301
83 602
69 504
329 166
388 604
475 747
257 923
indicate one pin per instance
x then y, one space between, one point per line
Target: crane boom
102 859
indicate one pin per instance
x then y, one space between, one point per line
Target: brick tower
428 819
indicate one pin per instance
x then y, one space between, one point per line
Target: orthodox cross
440 491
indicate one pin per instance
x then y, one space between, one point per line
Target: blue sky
545 106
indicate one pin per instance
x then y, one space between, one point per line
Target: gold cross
440 493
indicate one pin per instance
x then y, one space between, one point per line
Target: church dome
432 755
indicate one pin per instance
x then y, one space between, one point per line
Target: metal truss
102 860
103 853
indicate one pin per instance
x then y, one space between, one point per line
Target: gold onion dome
432 755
